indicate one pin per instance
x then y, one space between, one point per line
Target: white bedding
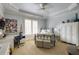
45 31
1 34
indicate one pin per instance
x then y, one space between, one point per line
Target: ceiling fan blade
46 6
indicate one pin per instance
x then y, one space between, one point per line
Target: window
35 26
27 26
31 26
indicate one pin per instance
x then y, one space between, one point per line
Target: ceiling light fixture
43 6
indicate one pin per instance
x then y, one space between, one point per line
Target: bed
45 40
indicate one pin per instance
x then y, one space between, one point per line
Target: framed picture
10 25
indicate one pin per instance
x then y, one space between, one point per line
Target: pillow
1 33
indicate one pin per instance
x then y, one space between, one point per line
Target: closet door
63 32
69 32
75 33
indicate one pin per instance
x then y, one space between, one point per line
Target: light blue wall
1 10
21 20
53 21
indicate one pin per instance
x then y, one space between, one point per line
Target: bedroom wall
1 10
21 19
16 17
55 20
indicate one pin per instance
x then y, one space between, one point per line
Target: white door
35 26
69 32
75 33
63 32
28 27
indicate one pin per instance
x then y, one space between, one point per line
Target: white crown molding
13 6
14 10
71 7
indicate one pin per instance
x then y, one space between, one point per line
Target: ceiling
34 8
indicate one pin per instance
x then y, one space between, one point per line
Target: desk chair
17 39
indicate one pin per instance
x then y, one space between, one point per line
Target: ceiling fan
44 6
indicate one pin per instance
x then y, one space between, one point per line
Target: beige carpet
30 48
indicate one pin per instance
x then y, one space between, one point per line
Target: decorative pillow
1 33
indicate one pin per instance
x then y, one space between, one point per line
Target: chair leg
18 43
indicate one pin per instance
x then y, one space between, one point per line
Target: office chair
17 39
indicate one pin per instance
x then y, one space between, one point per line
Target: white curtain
31 27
